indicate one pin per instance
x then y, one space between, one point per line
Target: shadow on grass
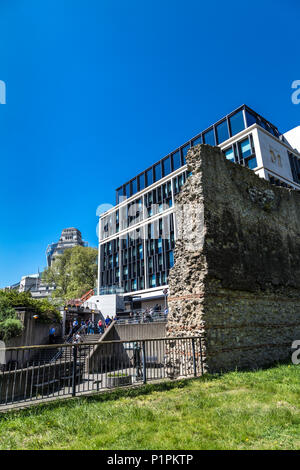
112 395
124 392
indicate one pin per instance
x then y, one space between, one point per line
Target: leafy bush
10 328
9 300
10 325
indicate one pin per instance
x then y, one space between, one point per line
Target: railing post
194 357
144 363
201 357
74 372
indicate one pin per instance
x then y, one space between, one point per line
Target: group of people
149 315
87 327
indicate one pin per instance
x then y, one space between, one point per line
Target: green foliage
74 272
10 328
10 325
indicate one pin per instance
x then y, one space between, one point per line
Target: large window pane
245 148
149 175
209 138
251 119
127 190
197 141
237 123
120 195
176 160
142 181
171 259
252 163
229 154
222 132
184 152
166 166
157 172
134 186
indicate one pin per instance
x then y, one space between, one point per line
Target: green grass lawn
239 410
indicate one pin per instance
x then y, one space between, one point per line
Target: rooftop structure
69 238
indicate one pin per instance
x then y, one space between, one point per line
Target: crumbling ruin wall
236 278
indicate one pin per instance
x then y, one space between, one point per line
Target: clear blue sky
97 90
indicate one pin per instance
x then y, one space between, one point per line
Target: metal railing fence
39 373
141 318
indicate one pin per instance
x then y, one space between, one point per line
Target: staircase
46 355
91 338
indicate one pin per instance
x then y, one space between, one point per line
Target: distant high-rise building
69 238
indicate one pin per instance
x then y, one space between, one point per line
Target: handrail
134 319
68 345
68 341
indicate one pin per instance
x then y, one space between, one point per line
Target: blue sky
97 90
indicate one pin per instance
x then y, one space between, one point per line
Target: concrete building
33 283
69 238
137 236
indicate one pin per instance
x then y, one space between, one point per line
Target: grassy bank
240 410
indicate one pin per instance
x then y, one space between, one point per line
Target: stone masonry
236 278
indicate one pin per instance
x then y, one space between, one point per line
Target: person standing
52 335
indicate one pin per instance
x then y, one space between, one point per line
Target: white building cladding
137 236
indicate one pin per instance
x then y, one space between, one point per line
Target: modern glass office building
137 236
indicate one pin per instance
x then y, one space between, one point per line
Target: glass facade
242 152
295 167
221 131
140 259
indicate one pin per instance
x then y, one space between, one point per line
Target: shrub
46 311
10 328
10 325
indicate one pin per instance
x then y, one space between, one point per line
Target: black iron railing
38 372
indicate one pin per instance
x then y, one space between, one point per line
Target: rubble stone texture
236 277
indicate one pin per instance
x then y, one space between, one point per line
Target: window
142 181
171 259
134 186
197 141
245 148
250 118
184 153
153 281
127 190
229 154
166 166
120 194
222 132
237 123
252 163
295 167
209 137
149 175
176 160
157 172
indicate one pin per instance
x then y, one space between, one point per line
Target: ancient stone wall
236 278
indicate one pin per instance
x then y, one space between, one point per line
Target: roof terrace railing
227 127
